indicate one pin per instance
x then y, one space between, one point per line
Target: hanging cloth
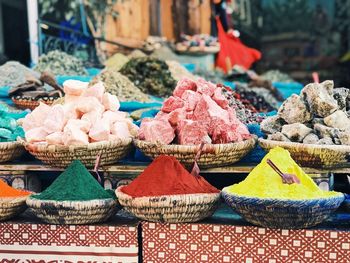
233 51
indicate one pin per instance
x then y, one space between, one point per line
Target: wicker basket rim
286 201
194 148
181 196
93 202
90 146
343 148
6 144
13 199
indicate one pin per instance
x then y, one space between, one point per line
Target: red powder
166 176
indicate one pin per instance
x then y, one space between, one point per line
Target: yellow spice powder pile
264 182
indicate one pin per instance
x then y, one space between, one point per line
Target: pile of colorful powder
264 182
8 191
166 176
75 184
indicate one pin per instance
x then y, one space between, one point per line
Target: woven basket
12 206
170 208
73 212
10 151
219 154
62 156
279 213
311 155
30 104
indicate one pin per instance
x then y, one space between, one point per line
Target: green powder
75 184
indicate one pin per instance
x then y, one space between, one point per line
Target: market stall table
26 239
226 237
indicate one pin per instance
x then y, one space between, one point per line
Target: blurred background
296 37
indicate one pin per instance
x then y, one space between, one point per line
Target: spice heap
89 114
197 112
151 75
74 184
178 71
9 130
60 63
8 191
277 76
117 61
318 116
166 176
37 89
121 86
260 98
264 182
13 73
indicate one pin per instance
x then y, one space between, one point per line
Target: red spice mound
8 191
166 176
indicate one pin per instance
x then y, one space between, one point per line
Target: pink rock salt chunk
192 133
83 125
69 111
121 130
71 98
55 138
176 116
110 102
100 131
205 87
172 103
88 104
40 113
156 131
28 122
222 132
74 136
92 117
220 99
191 99
36 135
183 85
96 91
74 87
56 120
113 116
161 116
207 109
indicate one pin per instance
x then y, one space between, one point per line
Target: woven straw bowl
10 151
283 213
62 156
170 208
30 104
12 206
311 155
218 155
73 212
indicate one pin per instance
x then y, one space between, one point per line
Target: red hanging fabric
233 51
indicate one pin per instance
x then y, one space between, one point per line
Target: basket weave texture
31 104
279 213
73 212
62 156
213 155
10 207
10 151
311 155
170 208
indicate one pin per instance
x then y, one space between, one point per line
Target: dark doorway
15 31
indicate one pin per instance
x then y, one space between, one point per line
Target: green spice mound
74 184
151 75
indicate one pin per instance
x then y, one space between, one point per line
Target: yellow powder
264 182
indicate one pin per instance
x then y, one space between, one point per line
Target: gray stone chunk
296 132
317 121
344 138
271 125
311 139
326 141
319 98
294 110
328 85
341 96
278 136
338 119
324 131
